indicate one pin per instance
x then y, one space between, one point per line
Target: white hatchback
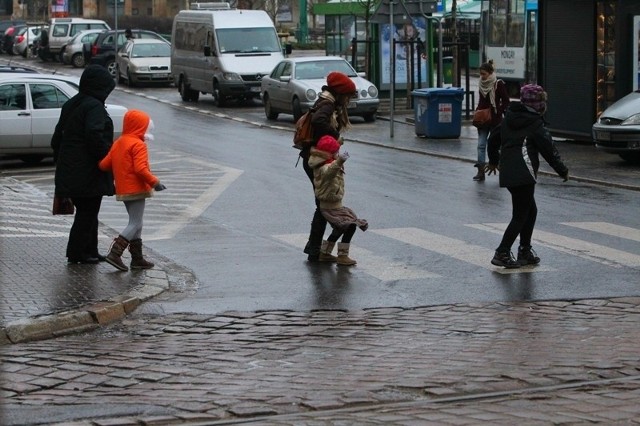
30 106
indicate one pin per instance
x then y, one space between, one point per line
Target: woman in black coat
514 149
83 136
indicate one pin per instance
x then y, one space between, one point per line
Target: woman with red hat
327 163
329 117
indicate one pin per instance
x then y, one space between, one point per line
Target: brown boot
325 252
343 255
118 246
479 177
137 261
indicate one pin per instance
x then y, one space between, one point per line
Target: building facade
588 59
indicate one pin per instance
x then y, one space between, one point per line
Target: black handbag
62 205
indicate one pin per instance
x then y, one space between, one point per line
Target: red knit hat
329 144
340 83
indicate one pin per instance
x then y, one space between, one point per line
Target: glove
491 169
344 155
159 187
565 177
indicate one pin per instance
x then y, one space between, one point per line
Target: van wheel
297 109
186 93
268 109
77 60
221 102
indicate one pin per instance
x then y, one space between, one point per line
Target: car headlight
143 68
310 94
634 120
231 76
373 91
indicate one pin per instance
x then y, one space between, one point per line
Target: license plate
255 89
603 136
161 75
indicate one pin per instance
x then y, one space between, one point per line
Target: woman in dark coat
514 149
494 96
83 136
329 118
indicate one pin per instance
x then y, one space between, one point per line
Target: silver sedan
294 84
617 130
30 106
74 52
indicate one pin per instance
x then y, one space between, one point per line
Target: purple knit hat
534 96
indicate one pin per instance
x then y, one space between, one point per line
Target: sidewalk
42 296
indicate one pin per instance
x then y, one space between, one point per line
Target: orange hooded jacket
129 161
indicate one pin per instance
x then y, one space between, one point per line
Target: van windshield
247 40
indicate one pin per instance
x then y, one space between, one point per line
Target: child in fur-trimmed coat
128 159
327 163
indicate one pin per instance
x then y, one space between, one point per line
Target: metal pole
392 103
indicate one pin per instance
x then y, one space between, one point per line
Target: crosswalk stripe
607 229
376 266
584 249
457 249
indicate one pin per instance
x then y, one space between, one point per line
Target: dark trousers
523 217
83 237
318 223
346 235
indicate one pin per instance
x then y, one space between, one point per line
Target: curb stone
87 317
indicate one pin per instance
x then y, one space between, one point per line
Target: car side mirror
207 51
362 74
285 78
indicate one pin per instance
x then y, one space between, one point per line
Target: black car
4 26
103 50
8 37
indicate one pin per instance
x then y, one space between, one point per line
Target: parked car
294 84
9 38
617 130
144 61
75 51
62 30
4 25
30 107
103 49
24 39
16 69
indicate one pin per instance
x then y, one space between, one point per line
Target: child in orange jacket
129 161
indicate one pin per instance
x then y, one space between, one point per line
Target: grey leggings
135 208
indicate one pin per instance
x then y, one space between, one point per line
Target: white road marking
376 266
584 249
457 249
607 229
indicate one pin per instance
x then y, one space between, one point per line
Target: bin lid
439 91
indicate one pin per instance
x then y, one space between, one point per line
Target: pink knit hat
534 96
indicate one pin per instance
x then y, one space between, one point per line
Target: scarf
487 87
340 117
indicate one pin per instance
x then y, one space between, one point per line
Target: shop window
606 55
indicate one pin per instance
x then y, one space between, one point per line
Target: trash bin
438 112
447 69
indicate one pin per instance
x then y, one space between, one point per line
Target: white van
223 52
62 30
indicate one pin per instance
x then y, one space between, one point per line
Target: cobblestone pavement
35 278
523 363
